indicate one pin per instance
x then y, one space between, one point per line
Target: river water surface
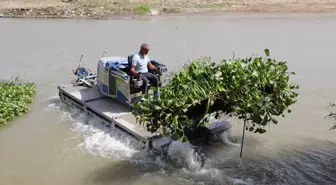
56 145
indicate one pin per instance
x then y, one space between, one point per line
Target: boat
109 94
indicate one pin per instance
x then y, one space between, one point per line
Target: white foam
225 138
183 154
242 182
99 143
96 138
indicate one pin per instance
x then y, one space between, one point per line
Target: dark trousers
148 78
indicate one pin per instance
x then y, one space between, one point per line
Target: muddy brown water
57 145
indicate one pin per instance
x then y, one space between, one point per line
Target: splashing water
189 164
183 155
191 160
225 138
111 142
242 182
98 140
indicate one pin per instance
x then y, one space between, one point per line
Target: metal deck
116 112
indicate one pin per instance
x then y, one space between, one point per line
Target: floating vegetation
254 89
15 96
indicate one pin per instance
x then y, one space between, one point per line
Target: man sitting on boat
139 68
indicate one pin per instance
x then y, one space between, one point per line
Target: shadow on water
127 172
121 172
302 165
296 166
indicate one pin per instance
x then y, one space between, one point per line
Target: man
139 68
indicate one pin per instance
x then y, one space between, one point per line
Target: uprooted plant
15 96
255 89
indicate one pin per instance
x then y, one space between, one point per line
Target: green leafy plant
254 89
143 9
14 99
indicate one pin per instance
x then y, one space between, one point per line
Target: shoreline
106 9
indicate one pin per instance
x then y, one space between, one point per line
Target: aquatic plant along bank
15 96
111 8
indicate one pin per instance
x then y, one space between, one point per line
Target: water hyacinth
255 89
14 99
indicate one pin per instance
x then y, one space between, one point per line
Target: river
56 145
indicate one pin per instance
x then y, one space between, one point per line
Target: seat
130 57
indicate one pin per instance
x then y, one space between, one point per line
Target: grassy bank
14 99
106 8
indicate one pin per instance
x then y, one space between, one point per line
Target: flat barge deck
109 111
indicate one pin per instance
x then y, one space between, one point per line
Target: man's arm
151 66
134 63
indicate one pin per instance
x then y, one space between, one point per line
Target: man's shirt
140 62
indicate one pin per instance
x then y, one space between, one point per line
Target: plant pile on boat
14 99
254 89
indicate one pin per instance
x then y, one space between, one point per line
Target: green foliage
143 9
254 89
14 98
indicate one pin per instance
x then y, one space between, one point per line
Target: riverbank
109 8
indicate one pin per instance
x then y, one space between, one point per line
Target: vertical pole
80 60
104 53
242 143
233 53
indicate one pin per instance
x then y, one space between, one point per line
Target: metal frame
64 95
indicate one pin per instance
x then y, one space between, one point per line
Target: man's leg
145 82
153 79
